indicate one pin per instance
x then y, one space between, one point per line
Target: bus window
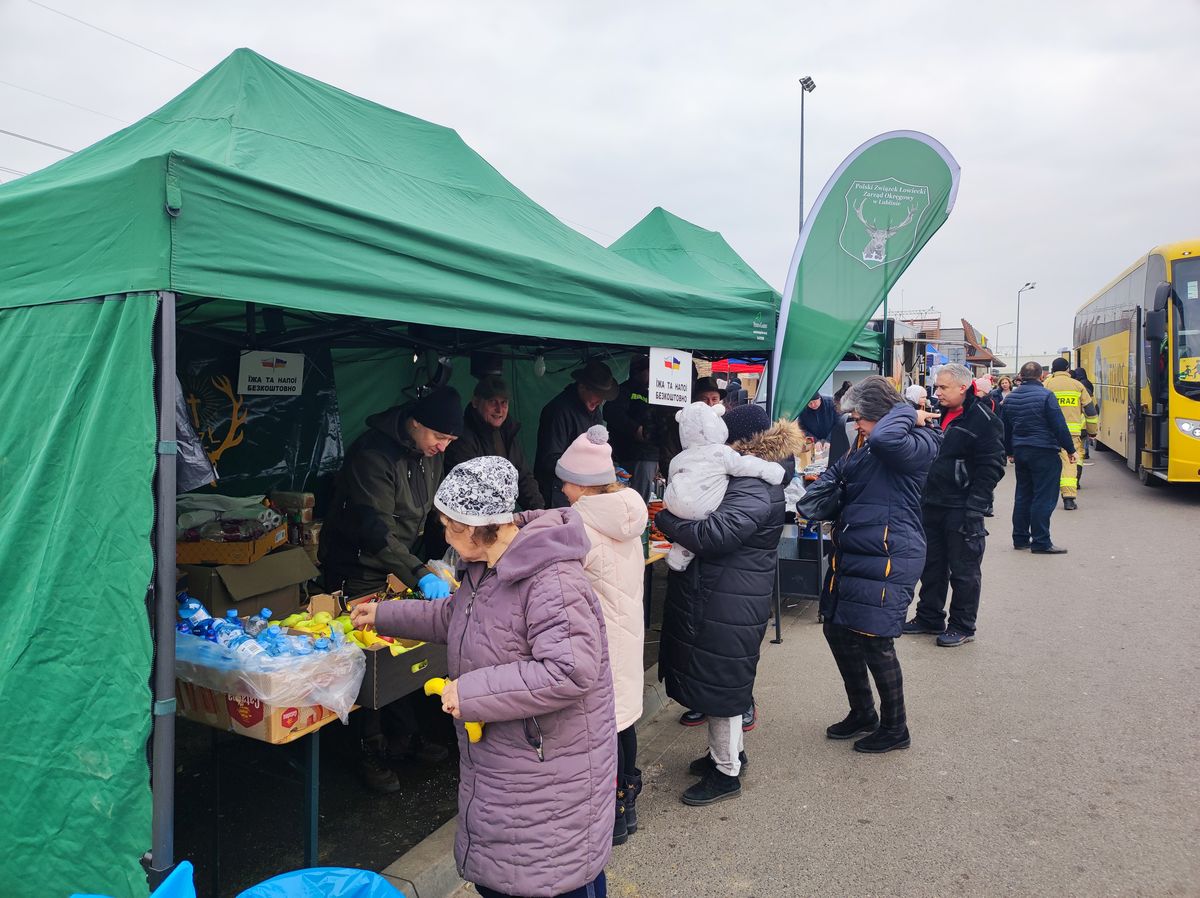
1187 325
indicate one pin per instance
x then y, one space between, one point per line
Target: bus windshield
1186 273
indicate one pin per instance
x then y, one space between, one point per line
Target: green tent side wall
76 466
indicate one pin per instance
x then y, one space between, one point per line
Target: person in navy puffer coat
879 551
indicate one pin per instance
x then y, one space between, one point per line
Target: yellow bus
1139 341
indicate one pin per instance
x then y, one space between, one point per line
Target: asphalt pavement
1058 754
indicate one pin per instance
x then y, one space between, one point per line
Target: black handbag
823 501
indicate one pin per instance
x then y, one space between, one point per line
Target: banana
474 728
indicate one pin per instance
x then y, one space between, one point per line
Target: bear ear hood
700 424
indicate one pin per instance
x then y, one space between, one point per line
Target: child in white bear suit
699 475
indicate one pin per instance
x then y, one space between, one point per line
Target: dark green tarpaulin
867 345
260 184
76 511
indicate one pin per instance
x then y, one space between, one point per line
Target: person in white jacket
700 473
615 518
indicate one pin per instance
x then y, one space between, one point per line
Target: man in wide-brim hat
565 417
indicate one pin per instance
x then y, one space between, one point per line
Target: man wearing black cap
637 428
565 417
383 494
489 429
374 527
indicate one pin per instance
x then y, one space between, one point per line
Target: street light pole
998 326
1029 285
807 86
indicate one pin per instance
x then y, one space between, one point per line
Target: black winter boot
882 741
373 766
704 766
716 786
633 788
620 829
856 722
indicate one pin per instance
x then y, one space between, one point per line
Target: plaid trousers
855 654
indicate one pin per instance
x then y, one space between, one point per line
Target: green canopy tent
257 187
685 252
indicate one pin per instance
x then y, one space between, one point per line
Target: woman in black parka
718 608
879 552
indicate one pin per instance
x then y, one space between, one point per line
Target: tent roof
260 184
687 253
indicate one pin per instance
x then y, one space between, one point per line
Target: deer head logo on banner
882 220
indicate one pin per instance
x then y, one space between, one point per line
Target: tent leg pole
162 773
770 372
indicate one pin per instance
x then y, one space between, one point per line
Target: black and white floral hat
478 492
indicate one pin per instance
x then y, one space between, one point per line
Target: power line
52 146
64 102
14 171
117 36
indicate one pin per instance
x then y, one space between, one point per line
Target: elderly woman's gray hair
871 398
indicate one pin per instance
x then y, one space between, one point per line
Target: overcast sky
1075 123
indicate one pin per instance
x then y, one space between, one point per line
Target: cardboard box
274 581
305 534
247 716
207 551
293 501
201 704
389 677
311 552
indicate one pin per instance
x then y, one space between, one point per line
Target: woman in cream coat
615 518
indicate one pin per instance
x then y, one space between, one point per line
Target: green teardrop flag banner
875 214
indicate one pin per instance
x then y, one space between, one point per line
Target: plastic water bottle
258 622
300 645
184 627
322 645
231 618
192 611
235 639
273 641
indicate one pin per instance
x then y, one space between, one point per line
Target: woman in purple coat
528 657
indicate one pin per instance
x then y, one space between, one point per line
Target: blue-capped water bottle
258 622
235 639
192 611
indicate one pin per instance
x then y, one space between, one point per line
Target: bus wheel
1147 478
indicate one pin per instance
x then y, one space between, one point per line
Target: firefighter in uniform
1079 408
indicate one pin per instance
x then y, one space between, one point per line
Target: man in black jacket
636 427
489 429
565 417
958 493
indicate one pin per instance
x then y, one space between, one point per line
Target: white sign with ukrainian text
271 373
670 377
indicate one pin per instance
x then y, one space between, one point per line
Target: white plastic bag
331 678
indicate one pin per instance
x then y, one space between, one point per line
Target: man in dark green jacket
374 527
383 495
489 429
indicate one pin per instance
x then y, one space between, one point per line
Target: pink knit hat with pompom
588 460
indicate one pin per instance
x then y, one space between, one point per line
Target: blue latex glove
434 587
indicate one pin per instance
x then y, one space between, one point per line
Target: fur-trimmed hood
783 440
